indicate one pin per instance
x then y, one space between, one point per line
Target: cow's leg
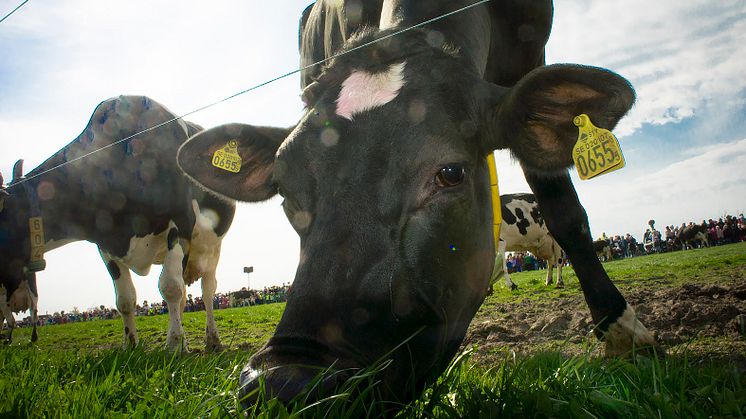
559 261
33 305
501 250
550 272
616 321
172 287
7 316
209 284
126 297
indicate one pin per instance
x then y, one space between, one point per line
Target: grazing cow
385 181
691 236
132 201
523 229
602 248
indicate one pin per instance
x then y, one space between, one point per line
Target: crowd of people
727 229
97 313
242 298
523 261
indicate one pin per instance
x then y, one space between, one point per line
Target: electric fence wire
255 87
13 11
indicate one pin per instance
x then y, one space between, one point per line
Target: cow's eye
449 176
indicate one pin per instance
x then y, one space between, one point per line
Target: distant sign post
248 270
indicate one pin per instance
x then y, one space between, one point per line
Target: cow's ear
534 119
17 171
3 193
256 147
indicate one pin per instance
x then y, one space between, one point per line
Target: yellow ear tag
36 230
227 158
597 151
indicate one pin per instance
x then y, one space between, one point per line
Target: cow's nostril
287 383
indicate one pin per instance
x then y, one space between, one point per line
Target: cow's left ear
246 179
534 119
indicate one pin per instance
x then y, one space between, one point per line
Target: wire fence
252 88
13 11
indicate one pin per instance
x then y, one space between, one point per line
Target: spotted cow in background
603 249
691 236
523 229
132 201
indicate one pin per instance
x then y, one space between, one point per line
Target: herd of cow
394 215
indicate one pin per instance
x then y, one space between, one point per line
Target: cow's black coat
388 253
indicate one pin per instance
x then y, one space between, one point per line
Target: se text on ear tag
597 150
227 158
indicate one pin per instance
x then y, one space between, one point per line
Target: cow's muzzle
291 371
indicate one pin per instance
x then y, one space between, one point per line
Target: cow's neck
60 209
469 31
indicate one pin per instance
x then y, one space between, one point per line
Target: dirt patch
677 315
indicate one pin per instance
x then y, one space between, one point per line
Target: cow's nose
286 382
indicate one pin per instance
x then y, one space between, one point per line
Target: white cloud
703 186
679 56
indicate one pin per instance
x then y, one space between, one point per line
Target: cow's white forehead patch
363 90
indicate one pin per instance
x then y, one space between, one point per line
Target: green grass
701 265
240 328
78 370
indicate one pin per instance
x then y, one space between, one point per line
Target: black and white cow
602 247
132 201
386 183
691 236
19 294
523 230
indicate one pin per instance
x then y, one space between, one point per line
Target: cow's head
385 182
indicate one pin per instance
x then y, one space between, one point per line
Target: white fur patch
144 252
626 334
363 91
204 251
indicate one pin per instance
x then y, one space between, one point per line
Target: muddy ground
705 320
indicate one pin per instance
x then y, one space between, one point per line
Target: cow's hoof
513 287
176 344
213 345
560 286
628 337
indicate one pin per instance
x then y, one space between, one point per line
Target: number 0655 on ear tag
597 151
227 158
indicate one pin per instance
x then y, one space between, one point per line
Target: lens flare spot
46 191
332 332
301 220
452 248
360 316
417 111
329 137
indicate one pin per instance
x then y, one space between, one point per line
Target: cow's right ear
255 145
534 118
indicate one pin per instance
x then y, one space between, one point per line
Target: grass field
507 370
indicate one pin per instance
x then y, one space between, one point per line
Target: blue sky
684 141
